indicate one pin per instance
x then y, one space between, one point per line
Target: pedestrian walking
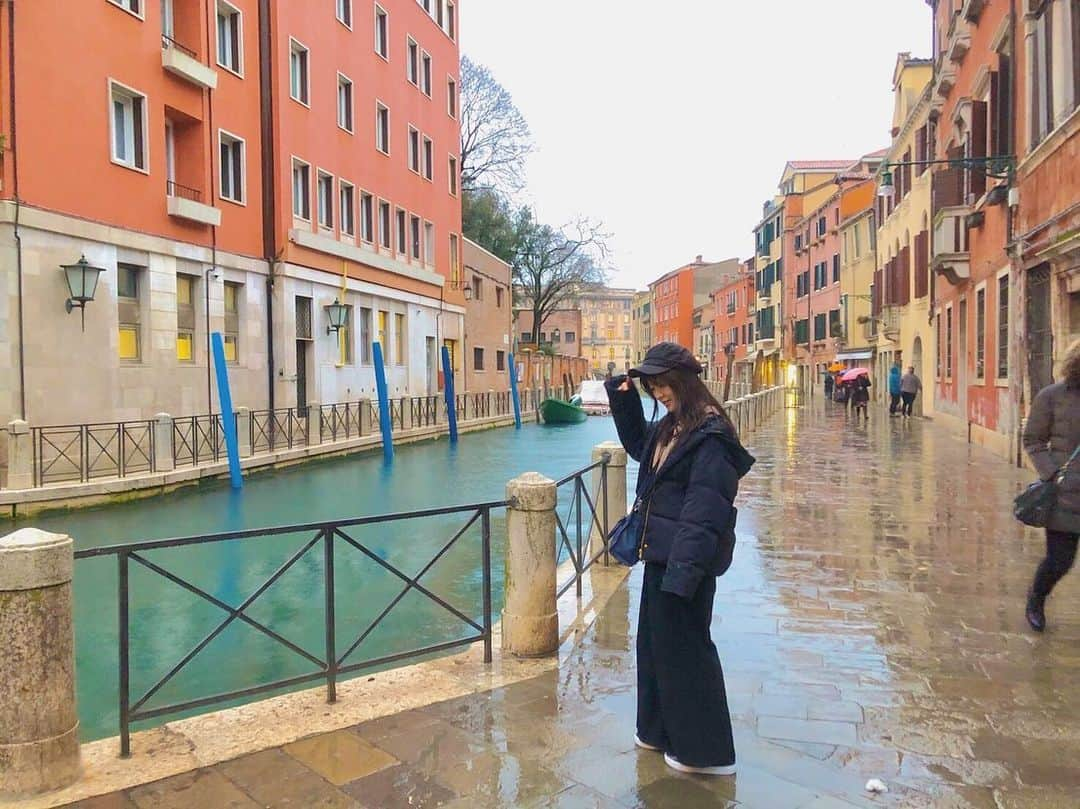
860 397
829 382
1051 435
894 389
910 385
691 463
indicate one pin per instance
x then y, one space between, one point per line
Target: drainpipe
212 199
269 208
18 239
1018 280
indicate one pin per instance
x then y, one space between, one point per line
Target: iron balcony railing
85 452
175 189
328 663
168 42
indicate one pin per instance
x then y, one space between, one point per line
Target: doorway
917 364
1040 333
301 376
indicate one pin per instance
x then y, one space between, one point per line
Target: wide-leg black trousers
1060 555
682 705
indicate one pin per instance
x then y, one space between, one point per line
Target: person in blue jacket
894 389
690 465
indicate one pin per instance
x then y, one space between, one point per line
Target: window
185 318
626 332
980 334
344 103
499 296
232 167
344 338
232 321
301 190
455 266
836 268
822 225
429 243
1054 80
500 360
344 12
414 150
382 33
452 173
937 330
128 122
402 236
380 335
819 327
526 337
367 217
302 307
298 72
478 359
382 128
346 195
1003 328
948 342
325 195
399 339
477 288
134 6
229 37
412 61
429 159
451 21
365 335
414 236
451 97
425 73
384 225
128 277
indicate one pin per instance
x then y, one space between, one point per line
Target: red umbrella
853 374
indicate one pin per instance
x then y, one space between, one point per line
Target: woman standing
691 462
1050 436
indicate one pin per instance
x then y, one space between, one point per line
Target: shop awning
854 355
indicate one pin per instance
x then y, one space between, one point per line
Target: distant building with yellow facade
900 328
607 328
640 325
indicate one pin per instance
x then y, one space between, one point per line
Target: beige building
640 325
488 319
607 324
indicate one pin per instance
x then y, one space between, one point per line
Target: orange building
676 295
733 325
236 167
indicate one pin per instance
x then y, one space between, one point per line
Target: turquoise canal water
168 621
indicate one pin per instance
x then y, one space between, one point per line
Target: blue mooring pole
448 392
514 391
228 420
384 404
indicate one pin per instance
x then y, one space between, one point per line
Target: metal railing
175 189
424 411
585 517
340 421
85 452
197 440
278 429
328 663
168 42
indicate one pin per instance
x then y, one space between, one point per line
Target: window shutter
137 125
977 179
995 113
1003 111
904 273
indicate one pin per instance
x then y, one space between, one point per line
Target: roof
879 153
823 165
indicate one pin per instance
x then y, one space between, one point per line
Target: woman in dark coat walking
691 462
1050 436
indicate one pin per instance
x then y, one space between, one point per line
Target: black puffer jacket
690 514
1051 434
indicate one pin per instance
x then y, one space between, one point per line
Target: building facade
733 327
607 324
561 331
262 161
704 339
858 262
488 319
678 293
641 325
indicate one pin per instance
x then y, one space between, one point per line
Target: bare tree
552 265
495 138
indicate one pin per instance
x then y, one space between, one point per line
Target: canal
168 621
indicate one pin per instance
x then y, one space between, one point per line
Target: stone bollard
20 455
243 432
530 619
616 494
366 418
163 443
314 424
39 727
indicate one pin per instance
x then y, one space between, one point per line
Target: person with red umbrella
858 379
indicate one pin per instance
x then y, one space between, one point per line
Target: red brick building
733 325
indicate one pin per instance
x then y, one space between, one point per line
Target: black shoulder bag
624 541
1036 503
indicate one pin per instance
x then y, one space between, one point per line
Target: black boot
1034 613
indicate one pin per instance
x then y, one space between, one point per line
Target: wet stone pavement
871 627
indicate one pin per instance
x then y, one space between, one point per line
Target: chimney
697 259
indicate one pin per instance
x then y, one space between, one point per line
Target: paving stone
340 757
807 730
276 779
398 787
118 800
199 788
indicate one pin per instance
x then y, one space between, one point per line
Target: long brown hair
695 404
1070 366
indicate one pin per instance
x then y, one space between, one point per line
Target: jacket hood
740 458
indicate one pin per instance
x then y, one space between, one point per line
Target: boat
558 411
593 397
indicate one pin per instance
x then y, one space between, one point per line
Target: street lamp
997 167
336 313
886 190
82 280
468 292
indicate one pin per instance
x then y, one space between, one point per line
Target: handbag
624 540
1036 503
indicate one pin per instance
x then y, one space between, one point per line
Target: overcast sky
671 121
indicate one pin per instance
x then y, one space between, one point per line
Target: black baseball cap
664 357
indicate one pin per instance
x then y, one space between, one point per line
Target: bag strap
1062 469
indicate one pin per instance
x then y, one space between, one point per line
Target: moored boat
557 411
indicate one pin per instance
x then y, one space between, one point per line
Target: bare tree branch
495 138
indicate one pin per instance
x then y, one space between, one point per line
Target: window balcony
951 257
184 63
972 9
946 81
186 203
959 41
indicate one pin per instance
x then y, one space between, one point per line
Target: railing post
406 414
243 431
530 620
163 443
314 423
20 455
39 726
612 508
365 417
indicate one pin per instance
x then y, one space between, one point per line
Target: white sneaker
675 764
644 745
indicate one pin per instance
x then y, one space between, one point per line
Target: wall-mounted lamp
337 313
82 280
468 291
